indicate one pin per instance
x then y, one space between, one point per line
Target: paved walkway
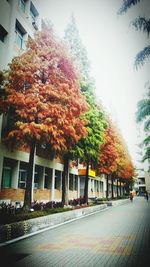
118 236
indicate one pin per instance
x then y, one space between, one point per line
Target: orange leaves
44 95
114 156
108 152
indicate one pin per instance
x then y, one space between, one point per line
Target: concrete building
18 20
143 182
143 168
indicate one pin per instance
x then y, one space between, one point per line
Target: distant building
143 168
142 182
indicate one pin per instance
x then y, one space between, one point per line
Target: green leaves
142 24
143 115
77 49
126 5
142 56
88 147
143 109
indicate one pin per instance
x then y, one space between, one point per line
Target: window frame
20 180
22 5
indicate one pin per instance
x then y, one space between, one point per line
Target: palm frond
143 110
142 23
126 5
147 125
147 154
146 141
142 56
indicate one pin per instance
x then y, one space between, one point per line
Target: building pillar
107 186
53 185
1 169
99 188
120 188
78 187
32 194
1 122
15 175
61 181
41 178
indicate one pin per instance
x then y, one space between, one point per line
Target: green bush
22 216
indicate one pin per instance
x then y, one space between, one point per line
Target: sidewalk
117 237
16 231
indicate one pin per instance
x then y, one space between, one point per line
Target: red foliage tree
114 159
42 94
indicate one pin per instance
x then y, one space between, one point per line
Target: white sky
111 46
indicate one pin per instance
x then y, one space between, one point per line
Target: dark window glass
6 178
3 33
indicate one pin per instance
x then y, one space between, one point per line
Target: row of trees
49 96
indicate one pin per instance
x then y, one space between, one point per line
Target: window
48 178
46 184
3 33
97 186
19 38
22 179
57 180
8 122
34 14
35 179
76 182
22 5
20 32
6 177
71 182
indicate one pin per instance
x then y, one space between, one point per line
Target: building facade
18 20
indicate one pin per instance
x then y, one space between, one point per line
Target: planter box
23 228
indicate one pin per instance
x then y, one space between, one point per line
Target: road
117 236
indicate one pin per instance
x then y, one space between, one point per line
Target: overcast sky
111 45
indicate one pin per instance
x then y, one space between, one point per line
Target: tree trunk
86 183
117 189
120 186
107 186
112 186
30 178
65 177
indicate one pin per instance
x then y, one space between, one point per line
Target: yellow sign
82 172
122 184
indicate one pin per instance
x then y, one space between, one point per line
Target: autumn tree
43 95
78 50
125 169
108 154
113 156
87 148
